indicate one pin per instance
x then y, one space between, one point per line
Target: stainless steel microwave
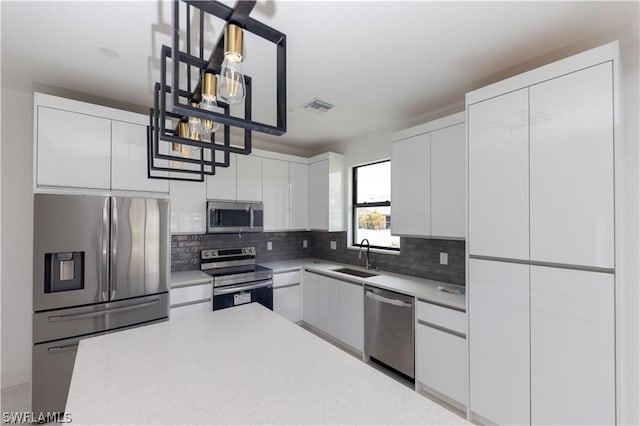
234 216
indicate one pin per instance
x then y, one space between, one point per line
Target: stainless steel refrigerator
100 264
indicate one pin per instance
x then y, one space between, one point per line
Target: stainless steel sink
355 272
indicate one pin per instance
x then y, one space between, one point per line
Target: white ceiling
383 64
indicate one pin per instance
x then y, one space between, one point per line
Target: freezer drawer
52 369
389 329
65 323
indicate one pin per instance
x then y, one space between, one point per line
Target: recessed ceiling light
318 106
109 53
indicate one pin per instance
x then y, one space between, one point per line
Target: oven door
240 294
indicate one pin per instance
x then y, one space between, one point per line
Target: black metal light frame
240 17
180 99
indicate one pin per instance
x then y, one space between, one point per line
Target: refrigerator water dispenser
64 271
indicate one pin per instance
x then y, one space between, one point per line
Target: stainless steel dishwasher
389 329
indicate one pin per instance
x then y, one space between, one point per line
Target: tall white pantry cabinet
541 277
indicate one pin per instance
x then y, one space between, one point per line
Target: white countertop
242 365
413 286
186 278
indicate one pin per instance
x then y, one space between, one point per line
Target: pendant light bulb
208 103
231 87
194 123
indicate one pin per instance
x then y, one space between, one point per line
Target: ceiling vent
318 106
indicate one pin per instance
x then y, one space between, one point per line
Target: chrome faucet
367 264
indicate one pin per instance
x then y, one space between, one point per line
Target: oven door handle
236 289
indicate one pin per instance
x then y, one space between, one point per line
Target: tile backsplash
419 257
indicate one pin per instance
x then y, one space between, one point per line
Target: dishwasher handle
388 301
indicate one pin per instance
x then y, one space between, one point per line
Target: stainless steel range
236 277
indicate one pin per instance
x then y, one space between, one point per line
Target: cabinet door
499 176
73 150
572 168
248 178
188 207
441 362
572 347
448 182
310 298
328 306
286 302
351 314
499 341
319 193
222 185
275 194
410 186
299 201
129 159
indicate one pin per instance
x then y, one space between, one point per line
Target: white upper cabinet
275 194
499 176
72 149
92 147
448 182
248 178
188 207
410 186
572 347
222 185
129 159
299 196
326 189
428 179
572 176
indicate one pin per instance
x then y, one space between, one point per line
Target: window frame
355 205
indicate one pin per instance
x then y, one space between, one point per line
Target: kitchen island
242 365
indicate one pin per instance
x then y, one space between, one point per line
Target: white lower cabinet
286 295
190 310
441 362
310 298
351 314
190 300
572 347
499 341
328 306
335 307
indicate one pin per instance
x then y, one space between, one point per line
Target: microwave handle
251 218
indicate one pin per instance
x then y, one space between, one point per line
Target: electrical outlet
269 245
444 258
305 243
334 246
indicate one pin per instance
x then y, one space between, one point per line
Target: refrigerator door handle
114 247
104 263
71 317
58 349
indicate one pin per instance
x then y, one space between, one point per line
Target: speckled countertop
206 370
421 288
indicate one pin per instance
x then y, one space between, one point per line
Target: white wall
17 232
628 300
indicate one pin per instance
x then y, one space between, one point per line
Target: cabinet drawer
190 294
286 278
190 310
442 317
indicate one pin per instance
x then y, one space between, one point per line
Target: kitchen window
372 206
